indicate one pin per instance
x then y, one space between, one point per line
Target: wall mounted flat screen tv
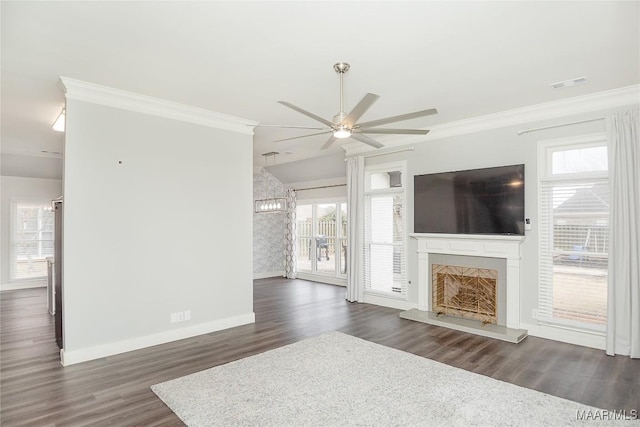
478 201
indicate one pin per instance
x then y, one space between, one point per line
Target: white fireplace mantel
492 246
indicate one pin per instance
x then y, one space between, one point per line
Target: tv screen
478 201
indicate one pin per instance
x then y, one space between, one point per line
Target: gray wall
31 166
496 147
157 220
268 228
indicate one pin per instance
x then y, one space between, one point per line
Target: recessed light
571 82
288 152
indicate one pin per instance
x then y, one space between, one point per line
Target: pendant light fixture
270 204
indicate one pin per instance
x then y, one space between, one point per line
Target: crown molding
615 98
32 153
103 95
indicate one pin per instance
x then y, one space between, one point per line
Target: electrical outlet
534 313
187 315
179 316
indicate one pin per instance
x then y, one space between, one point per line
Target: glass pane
304 224
381 267
343 241
580 252
325 238
325 253
592 159
31 268
32 239
304 228
580 288
382 219
380 180
343 218
398 219
326 215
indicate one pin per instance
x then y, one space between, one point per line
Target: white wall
15 187
333 188
157 219
313 169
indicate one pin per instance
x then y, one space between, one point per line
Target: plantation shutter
31 242
574 249
385 243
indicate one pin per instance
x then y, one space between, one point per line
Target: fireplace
467 292
497 303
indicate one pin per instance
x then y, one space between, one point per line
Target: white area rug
336 379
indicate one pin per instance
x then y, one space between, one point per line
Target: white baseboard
267 275
84 354
567 335
323 279
23 285
389 302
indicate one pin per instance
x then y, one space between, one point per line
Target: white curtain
623 308
290 260
355 200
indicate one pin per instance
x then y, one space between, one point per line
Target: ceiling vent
570 82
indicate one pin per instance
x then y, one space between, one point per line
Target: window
32 224
385 230
322 238
574 230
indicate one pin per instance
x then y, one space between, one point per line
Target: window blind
32 234
574 252
385 243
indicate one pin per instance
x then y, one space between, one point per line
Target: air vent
570 82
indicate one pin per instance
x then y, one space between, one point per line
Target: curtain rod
317 188
385 153
520 132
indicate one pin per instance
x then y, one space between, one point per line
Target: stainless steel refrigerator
57 252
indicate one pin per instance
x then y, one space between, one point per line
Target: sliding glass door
322 243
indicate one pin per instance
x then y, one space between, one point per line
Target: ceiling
463 58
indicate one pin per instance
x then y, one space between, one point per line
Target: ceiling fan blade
395 131
330 141
302 136
360 109
399 118
366 140
306 113
286 127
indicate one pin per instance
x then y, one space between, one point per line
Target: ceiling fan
346 125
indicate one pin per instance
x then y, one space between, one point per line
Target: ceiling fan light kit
346 125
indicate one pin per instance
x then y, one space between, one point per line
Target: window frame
546 148
13 209
399 166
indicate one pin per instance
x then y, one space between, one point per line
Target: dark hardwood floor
37 390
